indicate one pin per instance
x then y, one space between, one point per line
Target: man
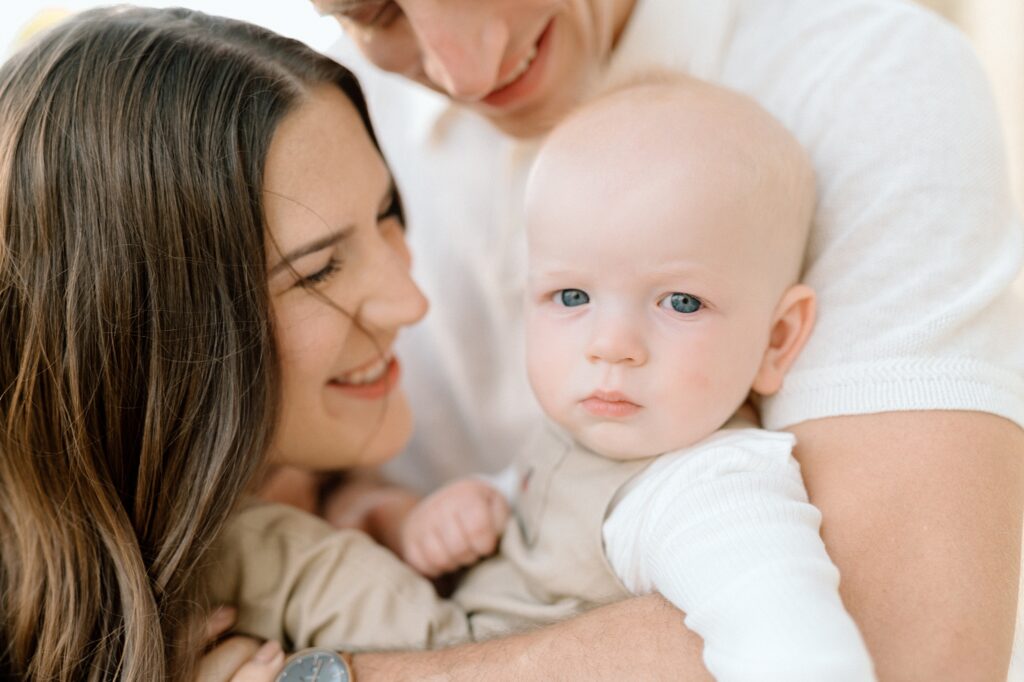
907 404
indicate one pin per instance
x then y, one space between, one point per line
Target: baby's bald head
694 154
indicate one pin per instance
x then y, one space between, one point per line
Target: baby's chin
625 443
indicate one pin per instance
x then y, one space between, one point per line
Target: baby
666 228
666 224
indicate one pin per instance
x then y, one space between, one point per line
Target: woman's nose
393 299
616 340
462 45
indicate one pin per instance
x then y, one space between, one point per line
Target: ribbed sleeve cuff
894 386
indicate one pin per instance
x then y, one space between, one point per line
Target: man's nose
462 46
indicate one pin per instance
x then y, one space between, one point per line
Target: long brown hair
138 377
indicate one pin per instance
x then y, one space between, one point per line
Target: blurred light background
294 18
996 27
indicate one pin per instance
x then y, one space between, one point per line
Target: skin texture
347 317
455 526
922 514
467 49
718 205
604 644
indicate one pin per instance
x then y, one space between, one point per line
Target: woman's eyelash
393 209
333 265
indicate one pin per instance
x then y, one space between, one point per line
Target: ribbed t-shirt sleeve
725 532
916 241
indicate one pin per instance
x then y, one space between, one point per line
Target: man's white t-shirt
912 255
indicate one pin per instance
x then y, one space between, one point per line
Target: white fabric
724 531
912 255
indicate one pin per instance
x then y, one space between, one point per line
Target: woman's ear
791 325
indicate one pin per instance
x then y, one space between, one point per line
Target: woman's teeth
519 70
366 376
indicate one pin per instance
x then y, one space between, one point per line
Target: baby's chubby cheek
549 381
687 406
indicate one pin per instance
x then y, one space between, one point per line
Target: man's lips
610 404
521 78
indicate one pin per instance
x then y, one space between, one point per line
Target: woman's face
520 63
333 243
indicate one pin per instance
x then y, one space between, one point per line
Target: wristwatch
316 665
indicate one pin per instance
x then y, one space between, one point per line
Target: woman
192 286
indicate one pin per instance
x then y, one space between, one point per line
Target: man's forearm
922 515
641 638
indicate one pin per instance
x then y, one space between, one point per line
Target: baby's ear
791 325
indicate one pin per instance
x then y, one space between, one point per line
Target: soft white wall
294 18
996 27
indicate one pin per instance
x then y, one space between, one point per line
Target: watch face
315 666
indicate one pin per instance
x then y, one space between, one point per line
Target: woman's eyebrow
312 247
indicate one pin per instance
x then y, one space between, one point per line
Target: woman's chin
391 435
335 440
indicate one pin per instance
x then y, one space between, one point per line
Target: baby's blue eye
681 303
571 298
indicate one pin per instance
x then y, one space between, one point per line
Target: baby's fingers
478 528
500 512
457 544
435 556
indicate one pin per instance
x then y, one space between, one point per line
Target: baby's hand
454 527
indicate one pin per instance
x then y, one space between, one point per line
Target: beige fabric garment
551 564
297 580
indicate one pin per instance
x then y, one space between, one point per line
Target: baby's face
648 313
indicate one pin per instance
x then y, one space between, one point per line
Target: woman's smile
371 383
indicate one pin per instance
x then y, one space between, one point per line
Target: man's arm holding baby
918 506
638 638
913 503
